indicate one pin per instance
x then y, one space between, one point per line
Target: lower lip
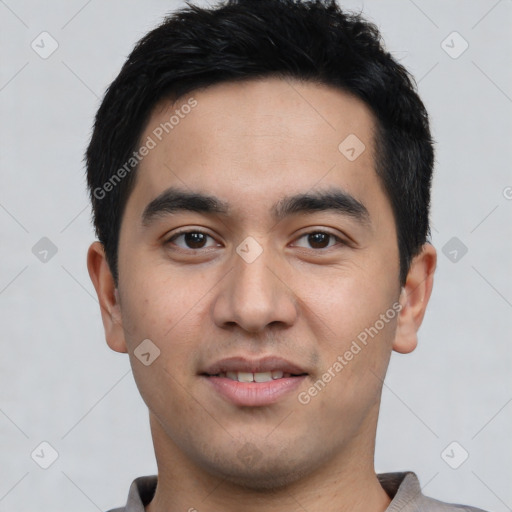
254 393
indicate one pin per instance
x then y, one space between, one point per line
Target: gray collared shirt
403 489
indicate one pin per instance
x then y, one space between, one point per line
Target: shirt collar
403 489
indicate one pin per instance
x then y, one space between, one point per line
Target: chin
251 469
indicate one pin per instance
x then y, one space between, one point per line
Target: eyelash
186 232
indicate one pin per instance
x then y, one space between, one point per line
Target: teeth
254 377
263 377
245 377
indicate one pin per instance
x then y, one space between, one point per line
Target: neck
346 483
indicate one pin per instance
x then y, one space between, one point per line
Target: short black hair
308 40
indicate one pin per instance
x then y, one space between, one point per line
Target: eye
191 240
194 240
318 240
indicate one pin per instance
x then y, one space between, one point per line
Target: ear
108 297
414 299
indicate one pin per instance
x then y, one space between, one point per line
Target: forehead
252 142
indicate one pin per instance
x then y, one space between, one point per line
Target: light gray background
61 384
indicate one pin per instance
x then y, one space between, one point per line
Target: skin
251 144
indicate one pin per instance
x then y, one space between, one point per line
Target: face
289 269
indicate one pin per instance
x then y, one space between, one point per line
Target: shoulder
407 496
141 492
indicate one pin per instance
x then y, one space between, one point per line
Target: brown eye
318 240
190 240
195 240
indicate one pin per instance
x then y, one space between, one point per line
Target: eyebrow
174 200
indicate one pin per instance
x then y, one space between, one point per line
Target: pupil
318 239
195 240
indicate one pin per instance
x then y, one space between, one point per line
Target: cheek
159 310
169 310
355 356
158 305
348 300
354 318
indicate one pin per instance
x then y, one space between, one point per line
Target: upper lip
242 364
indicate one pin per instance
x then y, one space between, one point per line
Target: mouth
243 382
255 377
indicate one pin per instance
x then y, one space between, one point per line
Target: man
260 178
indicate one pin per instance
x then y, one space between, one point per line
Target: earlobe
108 297
414 299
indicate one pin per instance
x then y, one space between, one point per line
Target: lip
264 364
253 394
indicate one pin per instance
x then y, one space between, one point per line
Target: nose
256 295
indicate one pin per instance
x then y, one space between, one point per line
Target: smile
254 377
